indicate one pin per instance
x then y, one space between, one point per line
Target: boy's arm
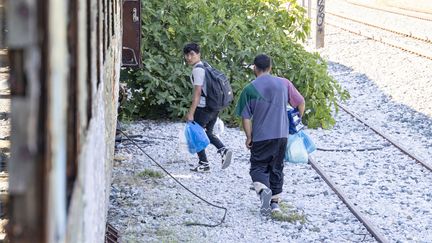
296 100
247 126
195 101
301 108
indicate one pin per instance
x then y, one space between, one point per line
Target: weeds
288 214
148 173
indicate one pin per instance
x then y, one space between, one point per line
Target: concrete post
320 24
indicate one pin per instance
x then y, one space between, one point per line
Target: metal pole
310 15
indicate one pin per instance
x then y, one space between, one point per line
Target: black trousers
267 163
207 119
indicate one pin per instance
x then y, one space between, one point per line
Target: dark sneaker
275 207
226 158
265 197
202 167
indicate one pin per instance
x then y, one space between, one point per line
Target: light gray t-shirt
198 78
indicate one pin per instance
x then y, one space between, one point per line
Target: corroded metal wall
95 158
64 75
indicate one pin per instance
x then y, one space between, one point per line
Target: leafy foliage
231 34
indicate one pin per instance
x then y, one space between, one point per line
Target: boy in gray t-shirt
198 111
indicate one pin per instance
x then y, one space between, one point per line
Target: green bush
231 34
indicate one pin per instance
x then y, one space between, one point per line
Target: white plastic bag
218 128
182 143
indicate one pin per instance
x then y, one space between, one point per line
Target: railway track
386 41
388 10
415 11
373 229
373 221
420 50
425 39
402 148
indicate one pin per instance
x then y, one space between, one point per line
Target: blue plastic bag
296 151
307 141
196 137
295 122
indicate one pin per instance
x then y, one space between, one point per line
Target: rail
390 11
388 138
369 226
386 41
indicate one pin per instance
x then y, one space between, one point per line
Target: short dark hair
191 47
262 62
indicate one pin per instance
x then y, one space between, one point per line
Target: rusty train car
65 59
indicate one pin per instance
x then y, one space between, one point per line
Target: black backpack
219 91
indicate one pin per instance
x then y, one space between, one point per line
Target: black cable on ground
187 189
348 149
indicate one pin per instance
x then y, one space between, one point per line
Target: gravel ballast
154 210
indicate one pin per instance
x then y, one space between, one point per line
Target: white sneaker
202 167
226 158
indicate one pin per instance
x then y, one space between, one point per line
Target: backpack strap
200 66
203 67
